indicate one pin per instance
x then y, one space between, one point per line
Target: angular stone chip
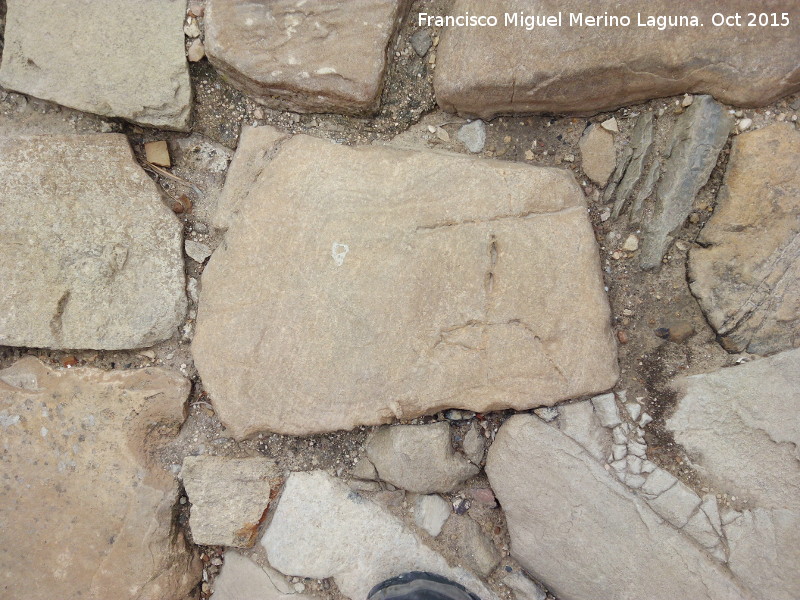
360 285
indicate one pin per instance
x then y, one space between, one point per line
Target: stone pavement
332 332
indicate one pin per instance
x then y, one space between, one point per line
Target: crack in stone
57 321
507 217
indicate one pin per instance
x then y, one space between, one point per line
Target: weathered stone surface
746 275
388 283
228 497
431 512
474 548
739 426
523 588
243 579
697 139
101 57
598 157
312 56
86 511
487 71
752 448
323 529
91 257
418 458
562 507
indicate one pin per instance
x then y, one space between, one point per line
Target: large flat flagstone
360 285
85 508
572 68
90 256
311 56
111 57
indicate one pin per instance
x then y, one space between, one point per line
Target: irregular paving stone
474 548
473 445
418 458
562 507
697 139
636 158
92 258
487 71
431 512
734 421
523 588
101 57
313 56
388 283
243 579
228 497
85 509
322 529
746 275
598 157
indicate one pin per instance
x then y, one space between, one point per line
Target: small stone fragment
473 135
197 251
645 419
605 407
484 497
473 445
243 579
658 482
687 100
631 243
675 504
547 413
364 469
196 51
191 28
610 125
679 331
744 124
634 409
619 451
228 496
418 458
157 153
421 41
430 513
474 548
598 156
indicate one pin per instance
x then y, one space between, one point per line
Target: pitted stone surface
746 274
91 256
323 529
563 507
101 57
487 71
85 510
312 56
387 283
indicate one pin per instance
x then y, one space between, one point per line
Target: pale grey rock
634 480
637 449
418 458
752 449
618 451
634 464
197 251
322 529
473 135
473 445
547 414
475 549
697 139
562 507
598 157
700 528
634 409
364 469
243 579
85 505
101 58
431 512
228 498
764 552
312 56
496 313
523 588
746 271
619 436
637 157
490 71
710 507
658 482
578 421
605 407
421 41
92 257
